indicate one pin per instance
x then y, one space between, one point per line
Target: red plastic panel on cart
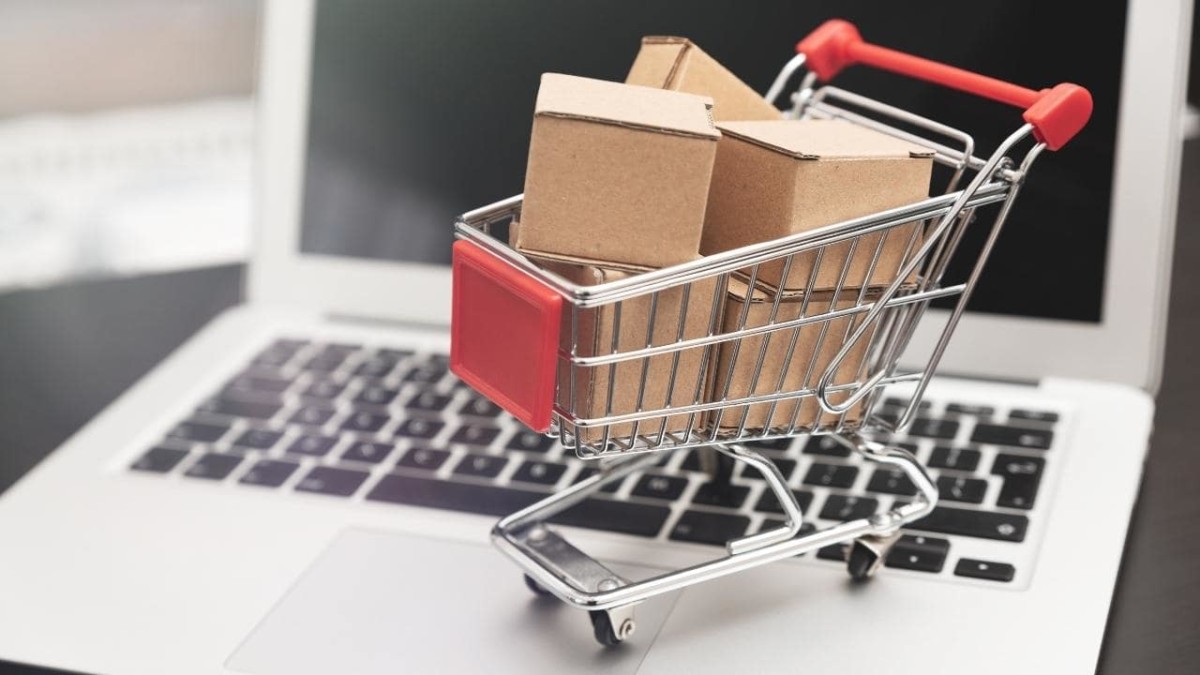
504 334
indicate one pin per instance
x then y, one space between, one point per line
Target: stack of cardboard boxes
686 160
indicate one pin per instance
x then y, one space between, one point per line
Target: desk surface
71 350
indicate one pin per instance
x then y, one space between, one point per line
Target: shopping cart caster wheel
606 633
537 588
862 561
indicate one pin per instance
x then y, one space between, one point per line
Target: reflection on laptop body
305 488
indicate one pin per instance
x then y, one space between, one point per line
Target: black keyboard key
530 441
933 428
786 467
644 520
918 552
312 415
313 445
542 473
589 471
971 409
984 569
480 466
692 461
395 354
659 487
213 466
961 489
367 451
1008 465
428 401
488 500
841 507
427 459
378 366
477 406
426 373
202 432
375 394
269 473
1033 415
971 523
328 480
367 422
1022 477
159 460
258 439
769 503
892 482
780 444
415 427
475 434
721 494
957 459
257 410
833 552
826 446
704 527
279 353
323 389
900 402
1018 437
324 362
831 475
253 384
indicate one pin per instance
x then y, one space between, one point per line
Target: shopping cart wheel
535 586
867 554
606 633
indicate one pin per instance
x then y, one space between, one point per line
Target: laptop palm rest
379 602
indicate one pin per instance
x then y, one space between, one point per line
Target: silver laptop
304 488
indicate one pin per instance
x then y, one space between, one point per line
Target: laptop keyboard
394 426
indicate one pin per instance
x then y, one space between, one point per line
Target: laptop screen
421 110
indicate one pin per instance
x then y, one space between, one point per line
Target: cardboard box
778 178
677 64
596 332
617 173
812 355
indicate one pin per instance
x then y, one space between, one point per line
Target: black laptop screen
420 110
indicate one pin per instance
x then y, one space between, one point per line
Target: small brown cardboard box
778 178
812 355
678 64
595 336
617 173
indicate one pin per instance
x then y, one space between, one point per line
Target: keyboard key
970 409
377 365
831 475
769 503
395 354
428 401
258 439
202 432
324 363
312 415
826 446
252 384
1019 437
327 480
983 569
269 473
589 471
323 389
659 487
415 427
692 461
426 373
1008 465
542 473
703 527
489 500
478 406
213 466
644 520
530 441
1022 477
842 507
367 451
159 460
833 552
971 523
375 394
962 489
786 467
721 494
773 523
933 428
900 402
475 434
957 459
1033 415
780 444
892 482
428 459
918 552
364 421
258 410
278 353
480 466
311 444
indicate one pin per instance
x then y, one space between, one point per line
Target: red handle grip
1056 114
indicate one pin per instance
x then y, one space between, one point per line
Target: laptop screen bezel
1125 346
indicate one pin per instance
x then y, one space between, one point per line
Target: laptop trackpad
378 602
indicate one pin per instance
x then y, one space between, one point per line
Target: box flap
626 105
658 62
823 139
739 290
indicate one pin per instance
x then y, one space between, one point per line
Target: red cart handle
1056 115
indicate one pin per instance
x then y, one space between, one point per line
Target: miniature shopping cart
558 355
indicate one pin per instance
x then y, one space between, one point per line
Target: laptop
303 487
